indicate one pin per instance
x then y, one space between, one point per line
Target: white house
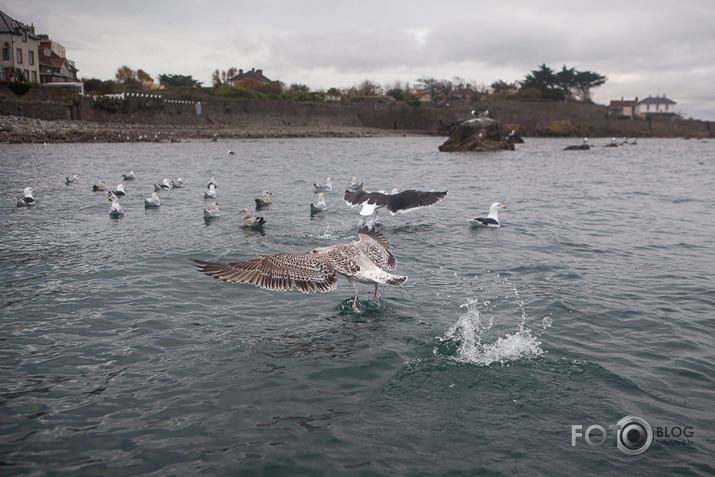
659 105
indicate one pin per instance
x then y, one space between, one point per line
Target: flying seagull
360 261
398 202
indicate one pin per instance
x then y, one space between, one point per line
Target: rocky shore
22 130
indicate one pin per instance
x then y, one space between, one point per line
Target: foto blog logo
632 435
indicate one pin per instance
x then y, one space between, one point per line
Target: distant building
658 106
19 55
254 74
54 66
26 56
624 107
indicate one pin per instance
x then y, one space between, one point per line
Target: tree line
541 84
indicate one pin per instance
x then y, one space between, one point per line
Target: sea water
594 301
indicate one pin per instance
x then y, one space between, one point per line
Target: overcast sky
644 48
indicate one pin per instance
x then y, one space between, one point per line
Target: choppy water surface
594 301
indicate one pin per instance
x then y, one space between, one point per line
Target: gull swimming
264 200
354 184
120 192
153 201
212 211
165 185
491 220
130 176
249 222
27 199
319 206
72 180
99 187
211 193
360 261
115 211
327 187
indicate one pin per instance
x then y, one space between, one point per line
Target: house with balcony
54 66
19 59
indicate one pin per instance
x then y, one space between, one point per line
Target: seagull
99 187
397 202
153 201
120 192
491 220
249 222
72 180
130 176
178 183
354 184
211 181
165 185
230 153
360 261
263 200
211 193
212 211
115 211
26 199
319 206
327 187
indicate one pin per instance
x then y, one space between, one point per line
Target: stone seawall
229 117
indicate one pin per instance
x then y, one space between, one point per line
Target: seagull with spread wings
360 261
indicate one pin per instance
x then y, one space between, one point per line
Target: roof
14 27
254 74
657 100
622 104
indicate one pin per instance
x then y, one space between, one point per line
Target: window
6 52
31 57
18 56
34 76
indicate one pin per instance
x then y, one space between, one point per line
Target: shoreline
24 130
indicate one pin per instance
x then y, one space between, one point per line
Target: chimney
260 72
240 72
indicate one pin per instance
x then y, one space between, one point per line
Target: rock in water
478 134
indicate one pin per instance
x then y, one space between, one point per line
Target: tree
178 80
585 81
221 77
125 75
562 86
216 79
144 77
368 88
545 81
429 86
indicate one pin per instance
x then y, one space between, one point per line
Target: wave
483 340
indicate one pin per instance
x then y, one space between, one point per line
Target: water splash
481 337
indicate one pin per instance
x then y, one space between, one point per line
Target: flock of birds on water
366 260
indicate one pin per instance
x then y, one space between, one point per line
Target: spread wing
412 199
400 202
307 272
376 248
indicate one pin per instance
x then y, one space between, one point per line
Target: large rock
478 134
